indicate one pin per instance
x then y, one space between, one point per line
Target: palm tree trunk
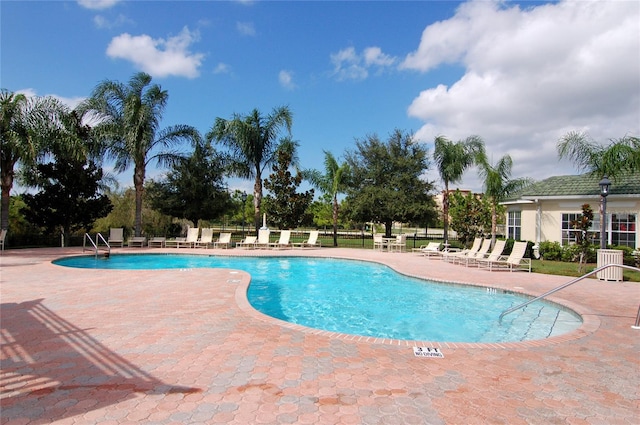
257 201
138 182
7 184
445 212
335 220
494 223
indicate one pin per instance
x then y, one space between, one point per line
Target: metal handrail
84 243
96 244
578 279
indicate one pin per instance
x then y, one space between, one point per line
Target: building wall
552 210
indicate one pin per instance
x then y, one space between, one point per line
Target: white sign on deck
427 352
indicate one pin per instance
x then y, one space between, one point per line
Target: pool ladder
96 246
571 282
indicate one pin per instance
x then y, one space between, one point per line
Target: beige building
544 211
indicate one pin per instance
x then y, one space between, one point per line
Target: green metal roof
581 185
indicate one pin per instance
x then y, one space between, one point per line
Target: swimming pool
369 299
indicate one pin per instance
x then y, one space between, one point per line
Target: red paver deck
184 346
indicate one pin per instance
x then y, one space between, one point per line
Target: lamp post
605 184
244 210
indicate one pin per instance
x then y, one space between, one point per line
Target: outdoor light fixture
605 185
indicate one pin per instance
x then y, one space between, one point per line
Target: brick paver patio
184 346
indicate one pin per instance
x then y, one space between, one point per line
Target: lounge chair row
478 255
197 239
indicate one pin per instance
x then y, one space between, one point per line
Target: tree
498 185
452 160
69 198
583 239
27 125
386 184
286 207
129 124
194 189
253 146
470 215
620 156
333 182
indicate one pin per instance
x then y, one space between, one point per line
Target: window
623 230
514 225
570 235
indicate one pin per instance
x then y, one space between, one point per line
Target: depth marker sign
427 352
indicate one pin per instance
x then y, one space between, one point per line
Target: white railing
96 246
576 280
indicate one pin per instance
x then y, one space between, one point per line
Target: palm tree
252 141
129 119
620 156
332 183
27 125
498 185
452 160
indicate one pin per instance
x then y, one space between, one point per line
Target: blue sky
519 75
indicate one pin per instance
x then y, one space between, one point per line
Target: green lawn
571 269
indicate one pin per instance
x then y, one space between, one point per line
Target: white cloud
286 80
102 22
245 28
349 65
159 57
531 76
97 4
222 68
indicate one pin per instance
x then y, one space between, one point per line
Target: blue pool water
362 298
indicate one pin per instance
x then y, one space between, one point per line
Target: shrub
551 251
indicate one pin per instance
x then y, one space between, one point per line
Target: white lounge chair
249 242
480 253
224 240
191 239
137 241
263 238
3 236
432 249
496 254
206 239
157 242
311 242
515 260
451 255
116 237
283 242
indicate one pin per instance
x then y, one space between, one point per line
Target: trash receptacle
606 257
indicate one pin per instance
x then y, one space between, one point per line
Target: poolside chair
515 261
283 242
3 236
379 242
157 242
224 240
399 245
480 253
191 239
206 239
137 241
451 255
263 238
116 237
496 254
432 249
248 243
312 241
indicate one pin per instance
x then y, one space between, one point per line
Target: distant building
544 210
